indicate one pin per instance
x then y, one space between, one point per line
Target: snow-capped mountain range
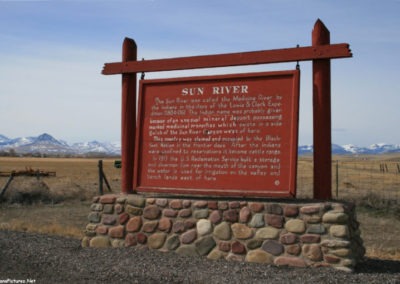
350 149
47 144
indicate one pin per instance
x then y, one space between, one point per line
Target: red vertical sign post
128 119
322 117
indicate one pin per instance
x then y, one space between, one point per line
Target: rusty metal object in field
29 172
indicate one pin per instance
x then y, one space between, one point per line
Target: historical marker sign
230 135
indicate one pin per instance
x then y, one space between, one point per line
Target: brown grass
381 235
357 177
65 212
65 219
51 229
76 179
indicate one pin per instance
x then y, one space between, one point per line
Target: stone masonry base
308 234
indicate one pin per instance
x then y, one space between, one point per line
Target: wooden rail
28 172
328 51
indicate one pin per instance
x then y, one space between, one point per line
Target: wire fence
354 179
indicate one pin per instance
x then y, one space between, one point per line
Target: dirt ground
39 258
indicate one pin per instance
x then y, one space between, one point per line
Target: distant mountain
305 149
47 144
3 139
97 147
374 149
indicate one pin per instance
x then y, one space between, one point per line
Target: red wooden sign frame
320 53
228 135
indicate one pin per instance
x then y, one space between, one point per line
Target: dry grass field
60 205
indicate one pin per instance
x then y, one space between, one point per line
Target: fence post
337 179
3 191
100 165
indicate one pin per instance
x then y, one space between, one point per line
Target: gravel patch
54 259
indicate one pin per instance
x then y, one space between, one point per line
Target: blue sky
52 53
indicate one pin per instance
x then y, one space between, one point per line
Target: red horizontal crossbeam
230 59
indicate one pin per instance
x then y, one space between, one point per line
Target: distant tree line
9 153
12 153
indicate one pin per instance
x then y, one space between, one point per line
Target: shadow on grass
374 265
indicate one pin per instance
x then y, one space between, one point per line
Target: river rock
136 200
312 252
295 226
335 217
156 241
274 220
215 217
117 232
134 224
122 218
290 261
274 209
224 246
273 247
259 256
231 215
256 207
150 226
100 242
244 215
94 217
188 237
187 250
339 231
109 219
151 212
130 240
172 242
257 221
176 204
238 248
267 233
205 245
222 231
241 231
200 204
200 213
290 210
165 224
316 229
288 239
96 207
162 202
185 213
108 199
133 210
204 227
310 238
